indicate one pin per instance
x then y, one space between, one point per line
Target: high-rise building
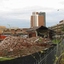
38 19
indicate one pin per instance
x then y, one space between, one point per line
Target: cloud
24 13
21 17
9 5
54 17
62 2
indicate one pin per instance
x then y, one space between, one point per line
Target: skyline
17 13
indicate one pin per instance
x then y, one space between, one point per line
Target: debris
14 46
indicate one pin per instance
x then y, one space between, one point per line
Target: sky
16 13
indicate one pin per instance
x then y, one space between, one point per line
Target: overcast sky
16 13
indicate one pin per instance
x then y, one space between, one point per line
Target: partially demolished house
40 31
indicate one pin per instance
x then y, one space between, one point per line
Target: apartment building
58 27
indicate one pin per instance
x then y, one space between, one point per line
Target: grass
56 41
5 58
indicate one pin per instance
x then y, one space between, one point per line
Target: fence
50 57
46 56
60 50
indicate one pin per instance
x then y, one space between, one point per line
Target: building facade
38 19
59 28
1 29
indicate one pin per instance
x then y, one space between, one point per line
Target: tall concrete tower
38 19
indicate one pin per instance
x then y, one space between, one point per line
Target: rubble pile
13 46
